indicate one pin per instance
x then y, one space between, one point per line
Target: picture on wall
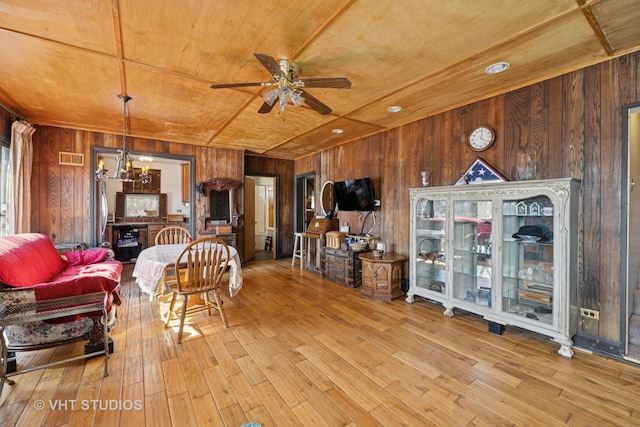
480 173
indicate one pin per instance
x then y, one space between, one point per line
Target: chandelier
124 165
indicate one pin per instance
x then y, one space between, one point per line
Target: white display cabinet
505 251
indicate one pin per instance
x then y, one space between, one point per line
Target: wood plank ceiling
64 63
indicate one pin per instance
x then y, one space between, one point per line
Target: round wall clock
481 138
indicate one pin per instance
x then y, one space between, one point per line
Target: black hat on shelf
534 233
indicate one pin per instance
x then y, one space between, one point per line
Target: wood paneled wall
570 126
61 205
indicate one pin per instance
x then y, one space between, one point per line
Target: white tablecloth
152 261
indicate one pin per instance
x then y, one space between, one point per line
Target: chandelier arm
124 164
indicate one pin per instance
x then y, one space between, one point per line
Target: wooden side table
382 277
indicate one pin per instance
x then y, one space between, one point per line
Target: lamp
124 164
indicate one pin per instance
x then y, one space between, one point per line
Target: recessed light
394 109
337 131
496 68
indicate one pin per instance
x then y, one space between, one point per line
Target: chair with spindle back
171 235
205 262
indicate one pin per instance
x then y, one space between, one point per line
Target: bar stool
298 249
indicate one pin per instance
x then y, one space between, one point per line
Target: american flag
480 173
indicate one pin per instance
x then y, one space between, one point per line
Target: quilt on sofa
31 266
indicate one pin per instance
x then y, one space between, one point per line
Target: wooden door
249 218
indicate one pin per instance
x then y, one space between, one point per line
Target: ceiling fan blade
269 63
229 85
328 82
266 108
315 103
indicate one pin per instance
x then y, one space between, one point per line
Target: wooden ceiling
65 62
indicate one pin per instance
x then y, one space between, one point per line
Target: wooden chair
171 235
205 262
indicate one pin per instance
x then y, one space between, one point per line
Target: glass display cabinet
505 251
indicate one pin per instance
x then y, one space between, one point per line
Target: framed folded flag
480 173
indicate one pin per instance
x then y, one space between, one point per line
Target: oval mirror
327 198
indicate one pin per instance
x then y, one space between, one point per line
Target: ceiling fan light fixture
288 87
394 109
296 99
497 68
271 96
283 102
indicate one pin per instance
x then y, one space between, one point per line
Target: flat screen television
355 195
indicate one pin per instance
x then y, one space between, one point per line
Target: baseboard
598 345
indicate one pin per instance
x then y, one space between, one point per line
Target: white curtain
19 179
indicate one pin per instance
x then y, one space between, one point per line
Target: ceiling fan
287 86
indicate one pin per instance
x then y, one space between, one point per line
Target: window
138 205
4 174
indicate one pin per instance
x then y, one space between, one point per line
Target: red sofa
32 269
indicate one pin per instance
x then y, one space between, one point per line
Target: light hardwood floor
305 351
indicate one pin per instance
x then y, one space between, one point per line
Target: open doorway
630 304
305 200
179 192
260 218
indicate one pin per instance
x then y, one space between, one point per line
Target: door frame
626 296
299 197
276 208
95 202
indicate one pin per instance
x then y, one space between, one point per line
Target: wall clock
481 138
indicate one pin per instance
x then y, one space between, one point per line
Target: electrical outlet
591 314
376 203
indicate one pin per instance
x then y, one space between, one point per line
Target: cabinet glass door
527 258
472 251
430 245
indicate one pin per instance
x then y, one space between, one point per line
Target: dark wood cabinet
152 232
137 187
342 266
228 238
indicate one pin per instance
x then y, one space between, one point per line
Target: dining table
152 261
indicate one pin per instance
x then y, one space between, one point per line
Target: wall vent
72 159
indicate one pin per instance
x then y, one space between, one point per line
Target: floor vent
72 159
